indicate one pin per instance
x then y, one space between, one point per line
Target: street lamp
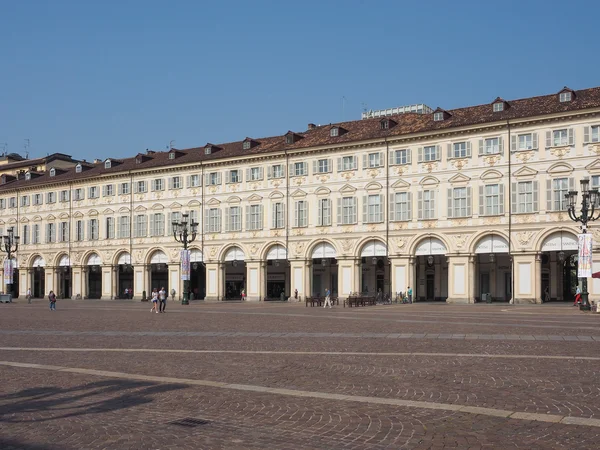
589 213
186 236
10 245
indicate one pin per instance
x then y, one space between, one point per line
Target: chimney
311 126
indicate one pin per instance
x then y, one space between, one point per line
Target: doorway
430 286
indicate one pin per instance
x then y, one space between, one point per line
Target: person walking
52 300
547 294
577 296
154 300
29 295
296 294
162 298
409 293
327 298
243 295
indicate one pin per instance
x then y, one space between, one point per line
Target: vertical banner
185 264
584 264
8 271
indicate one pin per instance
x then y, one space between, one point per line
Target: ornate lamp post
186 236
10 245
589 213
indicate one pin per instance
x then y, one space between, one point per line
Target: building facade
461 205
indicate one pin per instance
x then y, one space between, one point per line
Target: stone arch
35 259
93 259
358 248
475 238
414 246
233 252
322 248
122 257
274 250
567 235
490 242
158 254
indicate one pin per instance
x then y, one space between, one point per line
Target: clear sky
95 79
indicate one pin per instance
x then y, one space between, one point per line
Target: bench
320 301
360 300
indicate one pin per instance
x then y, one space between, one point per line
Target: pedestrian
296 294
577 296
409 293
327 298
154 300
547 294
243 295
162 298
173 292
52 299
29 295
379 296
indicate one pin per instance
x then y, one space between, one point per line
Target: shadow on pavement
52 403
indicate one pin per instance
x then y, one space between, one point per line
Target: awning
596 275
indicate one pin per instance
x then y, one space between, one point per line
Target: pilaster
527 276
458 279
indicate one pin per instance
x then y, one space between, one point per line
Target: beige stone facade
457 213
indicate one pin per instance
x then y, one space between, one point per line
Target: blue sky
112 78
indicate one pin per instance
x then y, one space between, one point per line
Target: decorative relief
594 148
276 183
212 189
525 218
491 160
596 235
276 233
298 232
348 175
373 173
139 256
524 156
323 178
348 229
347 245
430 224
524 237
254 186
559 216
458 222
298 248
399 225
299 180
400 243
458 164
253 249
491 220
195 192
430 166
213 252
174 254
233 187
77 257
372 227
401 170
460 240
107 256
323 230
560 152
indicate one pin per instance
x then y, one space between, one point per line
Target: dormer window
78 168
208 150
171 155
138 160
28 175
384 124
107 164
246 145
289 139
565 97
53 172
335 131
438 116
497 107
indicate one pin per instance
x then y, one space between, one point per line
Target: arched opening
493 274
94 275
375 269
197 276
324 270
159 271
38 281
235 273
431 270
559 267
125 276
64 278
277 273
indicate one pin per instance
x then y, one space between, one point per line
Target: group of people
159 297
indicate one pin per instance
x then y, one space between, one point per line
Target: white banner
584 264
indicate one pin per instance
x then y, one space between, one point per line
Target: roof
357 130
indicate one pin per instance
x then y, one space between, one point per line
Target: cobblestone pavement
282 376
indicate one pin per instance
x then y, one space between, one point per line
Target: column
84 282
140 281
308 278
115 289
412 276
346 273
262 276
49 277
525 268
437 284
253 280
458 282
400 275
212 281
472 278
297 278
538 278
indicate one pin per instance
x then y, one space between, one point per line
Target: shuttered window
110 228
560 138
491 200
213 220
400 206
157 224
254 217
301 213
373 160
426 205
79 231
233 219
459 202
400 157
524 197
141 225
373 208
345 163
123 227
347 211
322 166
556 191
278 217
324 212
459 150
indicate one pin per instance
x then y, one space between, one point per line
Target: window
213 218
459 202
234 176
63 232
28 176
233 219
207 150
400 157
556 192
108 190
175 182
438 116
107 164
64 196
300 169
12 202
25 235
430 153
301 213
595 182
50 232
373 160
526 142
141 225
78 168
53 172
491 200
2 203
194 181
25 200
373 208
426 201
400 206
289 139
560 138
348 163
498 107
278 215
595 133
79 232
110 228
141 187
93 192
158 184
254 219
564 97
347 211
384 124
322 166
173 217
123 227
124 188
78 194
255 174
246 145
193 216
213 179
35 237
525 197
51 197
93 230
334 132
171 155
324 212
491 146
276 171
157 224
460 150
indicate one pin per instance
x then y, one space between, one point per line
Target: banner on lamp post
8 271
584 261
185 264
